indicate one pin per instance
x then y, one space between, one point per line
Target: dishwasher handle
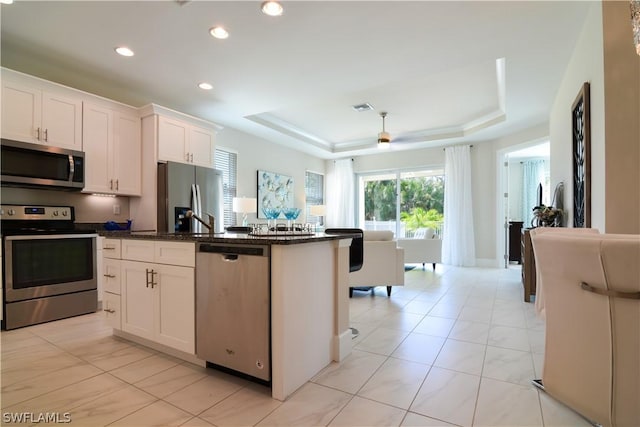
254 250
230 257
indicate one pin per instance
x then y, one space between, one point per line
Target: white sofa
424 247
383 262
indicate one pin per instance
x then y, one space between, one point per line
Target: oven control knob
64 213
11 212
55 213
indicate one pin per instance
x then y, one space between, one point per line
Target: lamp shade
244 205
318 210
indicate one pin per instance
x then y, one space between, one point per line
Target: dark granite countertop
270 239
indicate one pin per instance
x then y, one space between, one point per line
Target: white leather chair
591 296
424 247
383 263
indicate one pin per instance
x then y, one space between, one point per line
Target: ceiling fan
384 139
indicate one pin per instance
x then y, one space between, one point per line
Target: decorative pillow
378 235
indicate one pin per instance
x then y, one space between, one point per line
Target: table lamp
318 211
244 205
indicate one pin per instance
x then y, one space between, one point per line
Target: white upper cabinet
30 114
182 142
113 151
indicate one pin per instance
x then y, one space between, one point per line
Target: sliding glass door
401 201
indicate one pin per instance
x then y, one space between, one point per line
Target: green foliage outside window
421 201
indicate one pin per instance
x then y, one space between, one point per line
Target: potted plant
546 216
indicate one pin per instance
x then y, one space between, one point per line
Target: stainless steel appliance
32 165
183 187
49 267
233 300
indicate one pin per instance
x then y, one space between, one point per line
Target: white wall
258 154
585 65
515 190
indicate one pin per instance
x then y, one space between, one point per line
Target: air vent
362 107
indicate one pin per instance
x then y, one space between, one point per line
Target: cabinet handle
117 184
109 310
46 134
38 134
110 184
110 276
153 282
186 157
147 276
191 157
109 248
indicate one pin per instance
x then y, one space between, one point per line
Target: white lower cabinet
157 286
110 280
158 303
111 309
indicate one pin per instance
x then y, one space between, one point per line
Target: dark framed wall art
581 135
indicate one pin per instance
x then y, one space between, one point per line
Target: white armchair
424 247
383 263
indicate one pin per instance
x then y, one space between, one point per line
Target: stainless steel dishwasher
233 308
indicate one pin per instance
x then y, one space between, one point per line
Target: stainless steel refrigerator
183 187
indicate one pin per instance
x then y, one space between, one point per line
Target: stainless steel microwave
33 165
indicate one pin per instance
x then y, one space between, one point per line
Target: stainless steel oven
49 267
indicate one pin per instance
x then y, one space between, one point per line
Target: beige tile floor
453 347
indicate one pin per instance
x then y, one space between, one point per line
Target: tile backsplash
88 207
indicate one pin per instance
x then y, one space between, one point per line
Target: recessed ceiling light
272 8
205 86
6 1
124 51
219 32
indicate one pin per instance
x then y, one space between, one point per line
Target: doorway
524 183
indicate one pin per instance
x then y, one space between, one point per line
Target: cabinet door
175 253
98 140
137 249
201 146
175 307
21 112
61 121
111 248
137 299
127 155
172 140
111 275
111 308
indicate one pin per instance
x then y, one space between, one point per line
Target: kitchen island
309 307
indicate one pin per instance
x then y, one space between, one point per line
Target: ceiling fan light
384 139
272 8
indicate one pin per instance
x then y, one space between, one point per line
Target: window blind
227 162
314 194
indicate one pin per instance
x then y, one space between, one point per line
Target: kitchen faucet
210 225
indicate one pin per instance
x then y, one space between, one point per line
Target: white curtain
458 244
340 195
532 175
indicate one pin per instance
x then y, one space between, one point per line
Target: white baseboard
160 347
342 345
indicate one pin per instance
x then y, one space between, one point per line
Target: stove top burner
32 219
